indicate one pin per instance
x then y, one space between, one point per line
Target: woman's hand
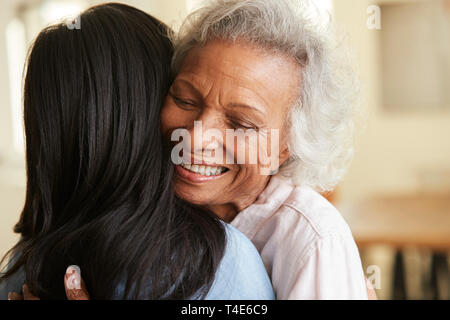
26 295
76 288
73 284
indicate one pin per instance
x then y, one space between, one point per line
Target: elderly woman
264 64
99 177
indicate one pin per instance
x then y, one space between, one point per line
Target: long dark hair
99 191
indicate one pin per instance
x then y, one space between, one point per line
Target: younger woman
99 191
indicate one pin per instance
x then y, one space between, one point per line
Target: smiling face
229 86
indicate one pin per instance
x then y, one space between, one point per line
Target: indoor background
396 195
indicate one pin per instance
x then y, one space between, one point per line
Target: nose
207 136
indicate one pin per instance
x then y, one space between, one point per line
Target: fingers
14 296
27 295
74 284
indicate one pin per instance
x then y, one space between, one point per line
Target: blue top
241 274
13 284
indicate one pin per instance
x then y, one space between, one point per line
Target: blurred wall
395 151
12 178
6 15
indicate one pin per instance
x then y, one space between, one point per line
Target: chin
191 194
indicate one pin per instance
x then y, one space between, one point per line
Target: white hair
320 122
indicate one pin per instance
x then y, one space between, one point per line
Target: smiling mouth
204 170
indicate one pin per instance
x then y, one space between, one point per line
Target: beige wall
5 118
396 152
171 12
11 170
391 152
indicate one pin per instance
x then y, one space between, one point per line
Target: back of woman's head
98 189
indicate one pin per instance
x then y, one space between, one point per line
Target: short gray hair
321 121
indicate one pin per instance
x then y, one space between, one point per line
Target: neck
228 211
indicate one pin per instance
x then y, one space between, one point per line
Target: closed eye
184 104
237 124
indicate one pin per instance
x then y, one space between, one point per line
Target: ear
284 155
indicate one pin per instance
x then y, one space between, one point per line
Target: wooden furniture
419 220
409 220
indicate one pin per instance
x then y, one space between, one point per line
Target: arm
330 269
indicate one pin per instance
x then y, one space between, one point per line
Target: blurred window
15 44
20 33
415 54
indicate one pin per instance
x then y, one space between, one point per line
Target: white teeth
204 170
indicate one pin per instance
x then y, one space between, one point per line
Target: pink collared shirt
306 245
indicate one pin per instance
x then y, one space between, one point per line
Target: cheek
247 181
164 119
241 149
258 154
170 118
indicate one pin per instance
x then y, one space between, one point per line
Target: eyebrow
190 85
243 105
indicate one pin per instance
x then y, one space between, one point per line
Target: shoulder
305 243
292 217
13 283
314 236
239 247
241 274
301 221
285 207
314 213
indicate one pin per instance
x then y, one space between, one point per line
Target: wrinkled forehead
238 65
